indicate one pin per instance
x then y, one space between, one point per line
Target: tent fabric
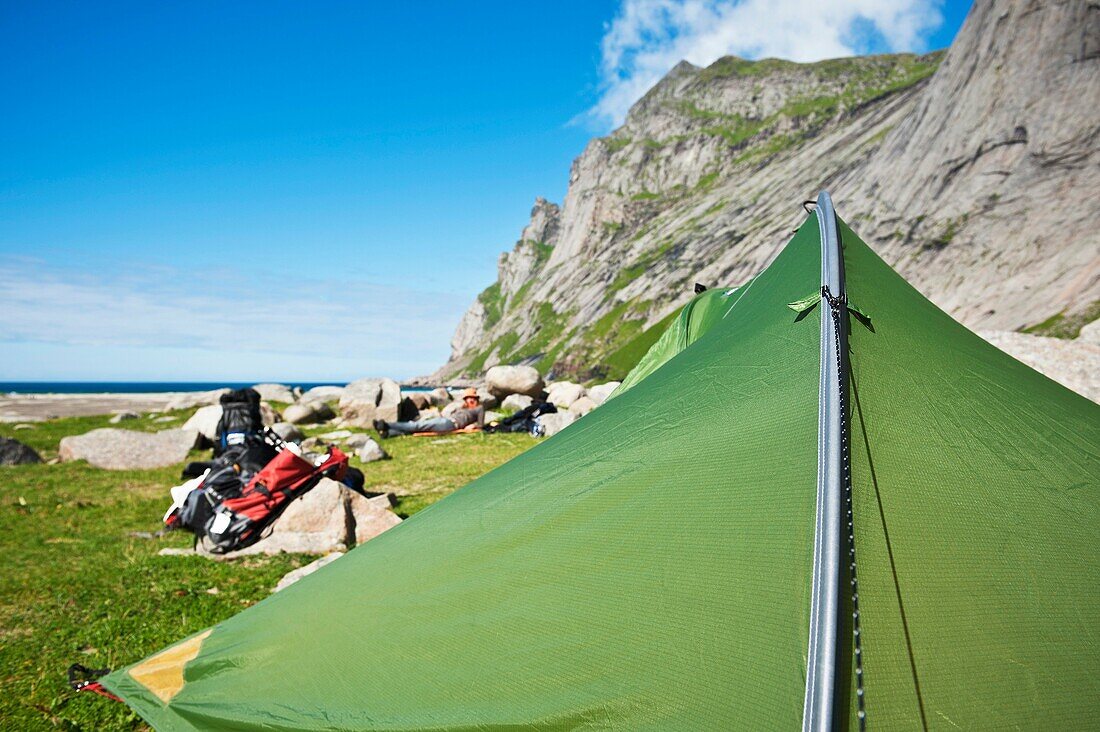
694 319
649 566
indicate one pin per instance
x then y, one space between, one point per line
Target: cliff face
972 172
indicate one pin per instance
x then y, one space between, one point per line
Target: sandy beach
39 407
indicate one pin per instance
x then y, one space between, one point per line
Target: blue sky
299 191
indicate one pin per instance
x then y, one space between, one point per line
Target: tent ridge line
822 644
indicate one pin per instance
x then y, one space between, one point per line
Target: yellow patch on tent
162 674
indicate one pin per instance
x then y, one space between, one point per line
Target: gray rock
194 399
505 380
491 416
356 440
439 397
370 516
14 452
304 412
370 451
516 402
1090 333
366 400
288 431
205 421
564 393
552 424
275 393
323 394
420 399
23 427
488 399
115 449
166 419
430 413
296 574
336 435
582 406
601 392
123 416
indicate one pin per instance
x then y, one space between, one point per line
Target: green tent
681 557
694 319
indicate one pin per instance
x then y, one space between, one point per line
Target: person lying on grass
471 412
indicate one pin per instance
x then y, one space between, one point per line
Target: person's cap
471 392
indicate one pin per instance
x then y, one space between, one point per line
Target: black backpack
240 420
523 420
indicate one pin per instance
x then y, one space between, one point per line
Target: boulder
552 424
370 516
123 416
323 394
601 392
488 399
304 412
357 440
205 421
275 393
516 402
370 451
296 574
439 397
420 399
366 400
194 399
14 452
562 394
116 449
582 406
288 431
505 380
430 413
330 518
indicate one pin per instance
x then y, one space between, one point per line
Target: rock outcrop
970 171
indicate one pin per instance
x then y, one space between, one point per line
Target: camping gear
523 420
661 563
240 521
241 418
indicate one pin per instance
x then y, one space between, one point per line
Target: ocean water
146 387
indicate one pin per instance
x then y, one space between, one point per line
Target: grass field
78 585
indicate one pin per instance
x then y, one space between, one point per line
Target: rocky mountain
972 171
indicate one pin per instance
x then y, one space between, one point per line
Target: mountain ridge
965 169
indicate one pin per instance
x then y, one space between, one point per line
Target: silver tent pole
821 662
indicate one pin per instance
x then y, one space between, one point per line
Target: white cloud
247 324
648 37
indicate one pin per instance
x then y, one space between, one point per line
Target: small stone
123 416
336 435
370 451
288 431
296 574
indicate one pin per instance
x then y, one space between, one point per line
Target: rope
89 682
839 307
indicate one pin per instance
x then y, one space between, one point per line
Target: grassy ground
78 586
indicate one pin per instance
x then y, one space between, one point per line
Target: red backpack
241 521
